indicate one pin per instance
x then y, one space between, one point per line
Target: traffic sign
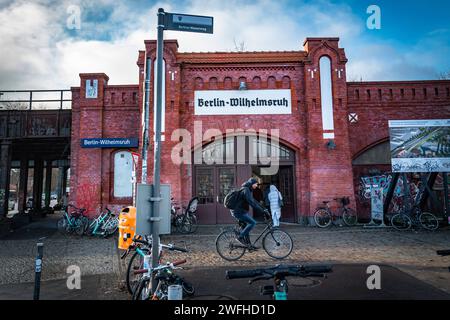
189 23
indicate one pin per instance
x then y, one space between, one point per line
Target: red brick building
332 132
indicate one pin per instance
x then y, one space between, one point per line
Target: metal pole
447 207
38 269
146 120
157 150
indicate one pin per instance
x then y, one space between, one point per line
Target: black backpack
232 199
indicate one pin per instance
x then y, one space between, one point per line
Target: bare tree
13 106
239 47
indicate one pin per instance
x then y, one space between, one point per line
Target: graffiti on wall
88 196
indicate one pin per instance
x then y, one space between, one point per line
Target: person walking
242 208
276 202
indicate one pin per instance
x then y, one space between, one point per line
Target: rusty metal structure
34 134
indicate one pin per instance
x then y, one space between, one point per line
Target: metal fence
35 99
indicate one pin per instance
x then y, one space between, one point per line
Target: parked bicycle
416 218
279 274
165 276
185 222
277 243
105 224
73 220
324 217
142 246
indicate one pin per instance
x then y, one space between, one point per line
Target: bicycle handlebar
443 252
298 270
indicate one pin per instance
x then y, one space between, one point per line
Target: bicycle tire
280 239
322 218
138 292
401 222
130 268
194 223
226 240
79 229
350 217
185 224
61 225
425 218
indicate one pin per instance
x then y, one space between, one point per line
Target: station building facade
330 131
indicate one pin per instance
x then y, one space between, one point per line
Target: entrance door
206 192
226 180
286 185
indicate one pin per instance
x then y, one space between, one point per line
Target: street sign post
177 22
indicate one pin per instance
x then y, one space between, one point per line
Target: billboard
420 145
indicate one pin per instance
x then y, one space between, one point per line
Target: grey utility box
144 209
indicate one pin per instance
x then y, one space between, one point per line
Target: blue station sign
110 143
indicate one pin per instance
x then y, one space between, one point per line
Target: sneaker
252 247
242 240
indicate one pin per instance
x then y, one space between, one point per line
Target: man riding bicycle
242 208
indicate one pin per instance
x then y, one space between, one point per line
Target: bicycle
185 222
279 291
416 217
323 216
166 277
142 246
72 222
104 225
276 243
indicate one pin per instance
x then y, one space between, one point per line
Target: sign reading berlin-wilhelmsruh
239 102
420 145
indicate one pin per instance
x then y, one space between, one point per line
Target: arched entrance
227 163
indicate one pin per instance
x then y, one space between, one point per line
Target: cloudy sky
41 46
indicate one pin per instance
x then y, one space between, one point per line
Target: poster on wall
377 202
420 145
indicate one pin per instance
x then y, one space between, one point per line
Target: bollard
38 269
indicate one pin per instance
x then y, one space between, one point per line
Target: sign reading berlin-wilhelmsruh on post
188 22
420 145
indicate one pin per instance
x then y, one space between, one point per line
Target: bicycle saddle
325 202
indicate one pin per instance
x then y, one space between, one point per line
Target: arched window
123 170
378 154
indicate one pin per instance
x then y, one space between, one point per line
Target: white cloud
39 52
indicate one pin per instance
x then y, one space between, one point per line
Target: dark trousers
245 217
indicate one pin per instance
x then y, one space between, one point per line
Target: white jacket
274 197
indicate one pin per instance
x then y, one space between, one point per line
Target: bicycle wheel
184 224
228 247
322 218
142 291
79 227
401 221
62 225
349 216
194 224
428 221
136 263
278 244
